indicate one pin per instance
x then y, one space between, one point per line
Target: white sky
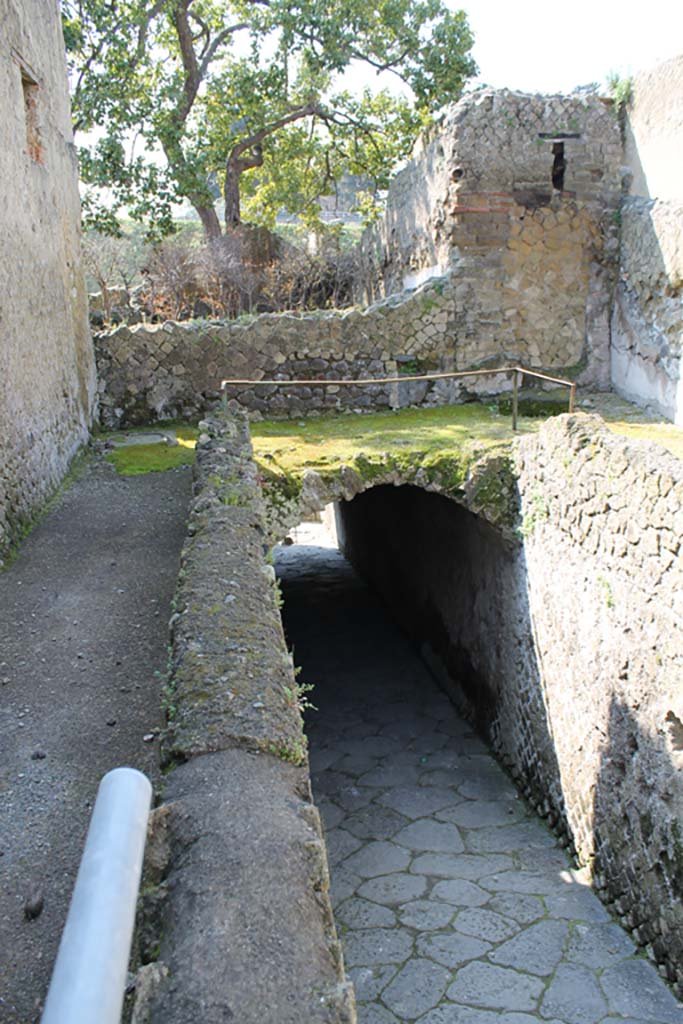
553 46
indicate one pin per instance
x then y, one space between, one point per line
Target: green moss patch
449 437
149 458
136 459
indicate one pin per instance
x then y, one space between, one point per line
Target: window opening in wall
31 90
559 165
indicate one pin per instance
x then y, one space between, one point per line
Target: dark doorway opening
559 166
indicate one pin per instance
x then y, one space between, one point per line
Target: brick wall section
565 646
46 361
647 320
237 921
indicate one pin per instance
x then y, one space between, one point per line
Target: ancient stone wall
46 362
149 372
647 321
236 921
517 194
565 646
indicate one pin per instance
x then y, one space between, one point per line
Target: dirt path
83 631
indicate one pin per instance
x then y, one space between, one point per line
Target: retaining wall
236 921
160 371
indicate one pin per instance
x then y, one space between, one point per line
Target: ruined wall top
502 145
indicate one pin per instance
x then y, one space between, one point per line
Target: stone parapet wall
47 379
237 922
564 646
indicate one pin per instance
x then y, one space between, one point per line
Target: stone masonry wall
46 362
236 921
517 194
565 646
149 372
647 322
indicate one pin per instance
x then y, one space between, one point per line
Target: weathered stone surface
378 858
247 929
394 889
431 835
537 949
232 676
416 988
47 367
574 996
243 933
426 915
633 990
480 984
532 264
377 946
367 676
647 316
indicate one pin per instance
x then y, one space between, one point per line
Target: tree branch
307 110
217 42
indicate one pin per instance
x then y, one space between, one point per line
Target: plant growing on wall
192 99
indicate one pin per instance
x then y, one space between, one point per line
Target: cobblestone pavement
453 901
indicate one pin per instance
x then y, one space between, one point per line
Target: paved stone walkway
453 901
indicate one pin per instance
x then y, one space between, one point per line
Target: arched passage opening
450 894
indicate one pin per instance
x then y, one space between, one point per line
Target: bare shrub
108 263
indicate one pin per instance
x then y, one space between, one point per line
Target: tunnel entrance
451 897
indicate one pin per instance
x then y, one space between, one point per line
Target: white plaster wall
654 132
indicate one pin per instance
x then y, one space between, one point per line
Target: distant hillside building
47 373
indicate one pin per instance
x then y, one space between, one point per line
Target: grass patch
137 459
664 434
325 443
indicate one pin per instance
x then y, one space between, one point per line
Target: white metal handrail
89 977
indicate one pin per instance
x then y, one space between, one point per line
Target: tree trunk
209 219
231 193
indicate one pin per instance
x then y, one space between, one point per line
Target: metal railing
89 977
515 371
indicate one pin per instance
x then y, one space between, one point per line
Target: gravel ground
83 634
453 901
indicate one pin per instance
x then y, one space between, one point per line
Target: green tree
186 97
